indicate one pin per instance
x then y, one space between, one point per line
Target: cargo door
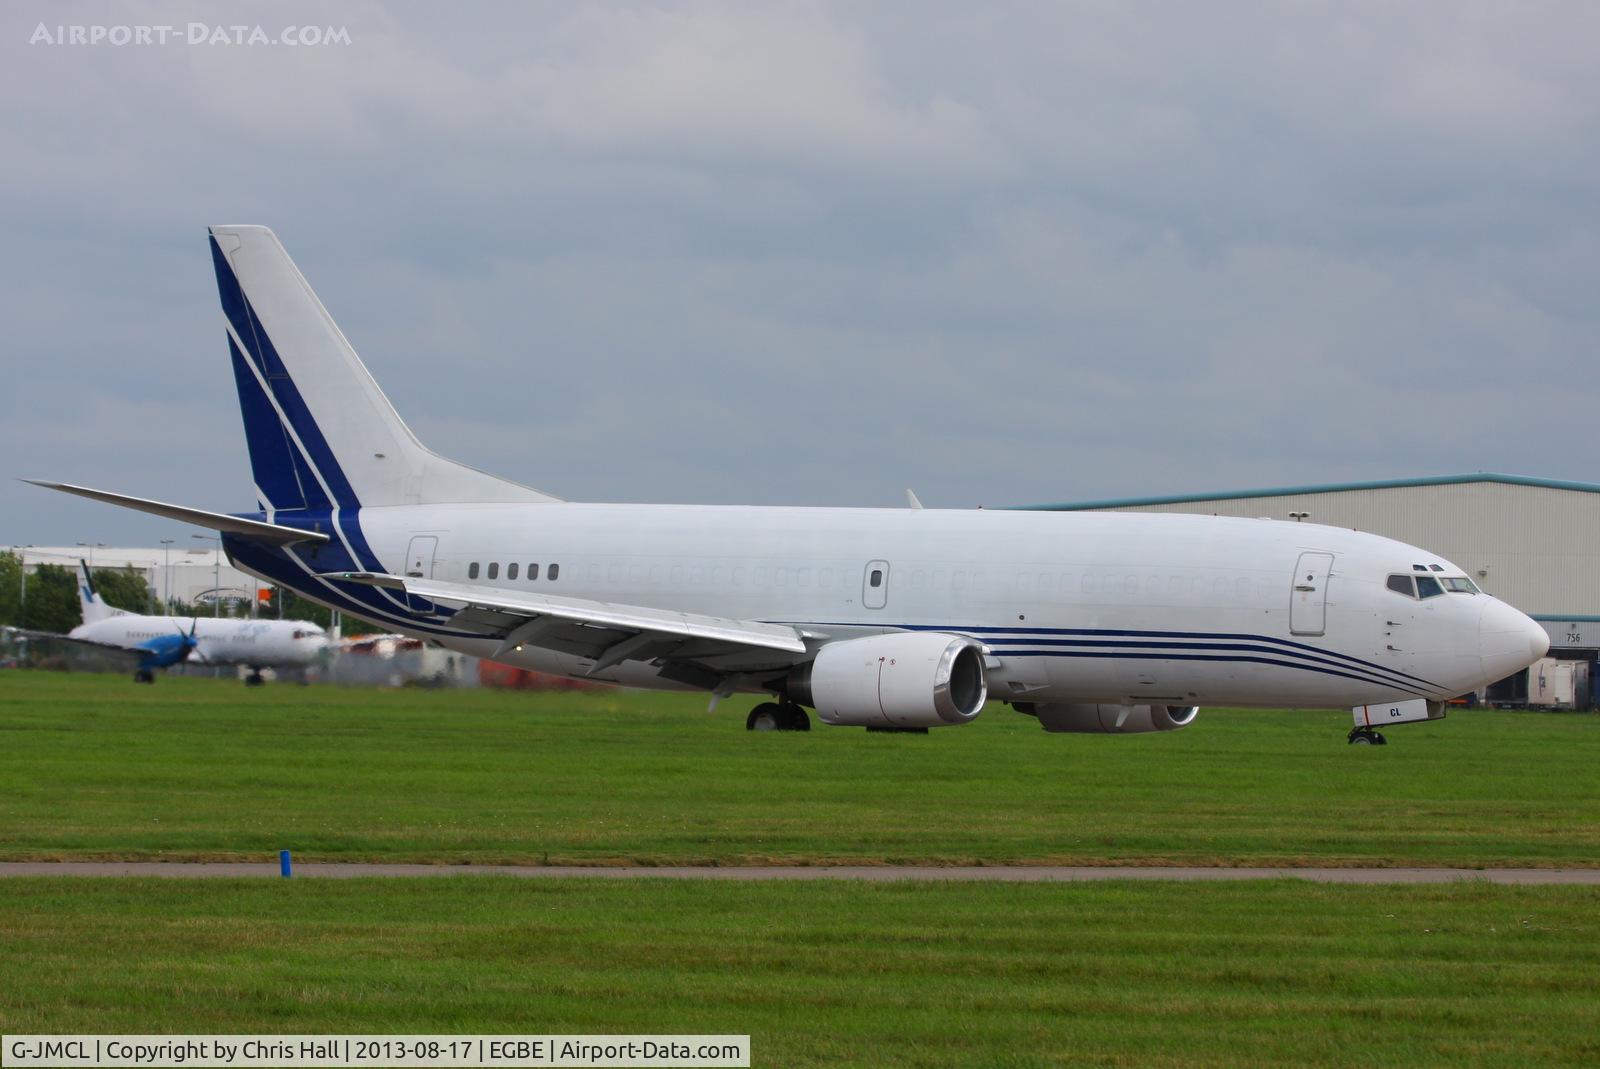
1308 606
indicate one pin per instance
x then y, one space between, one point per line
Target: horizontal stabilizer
270 533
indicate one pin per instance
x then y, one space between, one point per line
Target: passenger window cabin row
493 571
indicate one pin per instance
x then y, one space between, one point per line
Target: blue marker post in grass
283 863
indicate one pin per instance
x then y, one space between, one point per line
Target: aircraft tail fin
89 600
321 434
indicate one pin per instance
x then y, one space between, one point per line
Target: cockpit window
1460 584
1401 584
1428 587
1435 567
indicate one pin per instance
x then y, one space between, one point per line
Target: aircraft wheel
1367 737
253 680
1360 740
144 675
795 718
1378 739
768 716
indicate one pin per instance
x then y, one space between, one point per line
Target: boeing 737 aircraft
897 619
163 641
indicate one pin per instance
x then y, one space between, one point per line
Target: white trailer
1553 684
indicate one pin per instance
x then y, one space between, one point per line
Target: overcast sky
813 253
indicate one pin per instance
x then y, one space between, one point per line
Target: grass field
828 974
97 767
993 974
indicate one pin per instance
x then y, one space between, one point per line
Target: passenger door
1308 607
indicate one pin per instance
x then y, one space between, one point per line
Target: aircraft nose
1508 641
1538 641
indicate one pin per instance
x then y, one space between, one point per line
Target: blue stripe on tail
274 461
278 466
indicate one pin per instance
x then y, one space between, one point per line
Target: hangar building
1534 543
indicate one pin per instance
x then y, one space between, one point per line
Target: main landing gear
254 678
772 716
1365 736
144 675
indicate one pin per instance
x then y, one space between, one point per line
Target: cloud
813 253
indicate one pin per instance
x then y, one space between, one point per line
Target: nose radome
1538 638
1508 640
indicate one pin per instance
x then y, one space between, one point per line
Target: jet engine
916 679
1110 719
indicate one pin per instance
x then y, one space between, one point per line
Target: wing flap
605 629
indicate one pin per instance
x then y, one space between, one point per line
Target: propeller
189 643
164 651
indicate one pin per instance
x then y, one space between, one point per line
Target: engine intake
1110 719
906 679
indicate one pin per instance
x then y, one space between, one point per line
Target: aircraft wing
691 648
52 636
130 654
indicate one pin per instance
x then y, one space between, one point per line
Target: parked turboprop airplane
891 619
163 641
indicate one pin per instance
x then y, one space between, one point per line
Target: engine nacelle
1110 719
915 679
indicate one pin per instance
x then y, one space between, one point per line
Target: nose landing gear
1410 711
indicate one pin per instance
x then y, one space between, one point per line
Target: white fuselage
1079 607
255 643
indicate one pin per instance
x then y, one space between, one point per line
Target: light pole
22 610
92 546
216 573
166 568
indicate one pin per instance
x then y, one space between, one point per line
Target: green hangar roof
1327 488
